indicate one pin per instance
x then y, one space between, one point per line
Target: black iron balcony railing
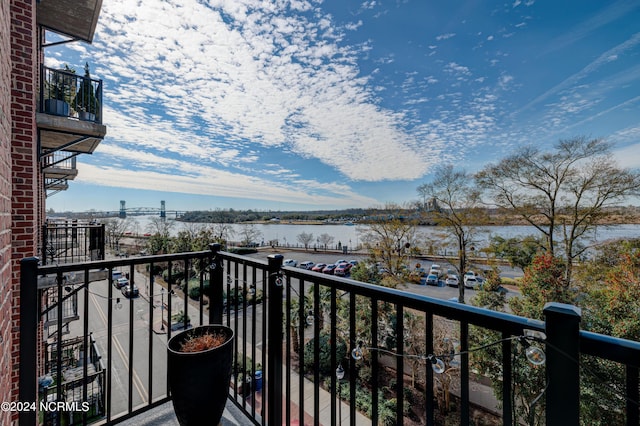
64 93
72 241
313 348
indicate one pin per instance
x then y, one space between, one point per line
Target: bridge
139 211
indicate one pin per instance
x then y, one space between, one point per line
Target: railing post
563 369
274 342
216 286
28 391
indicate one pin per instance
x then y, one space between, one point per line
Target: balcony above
70 113
69 134
74 18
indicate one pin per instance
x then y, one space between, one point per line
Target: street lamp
339 376
162 309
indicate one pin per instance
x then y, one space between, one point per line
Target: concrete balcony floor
164 416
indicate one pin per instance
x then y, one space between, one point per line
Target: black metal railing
64 93
303 339
72 241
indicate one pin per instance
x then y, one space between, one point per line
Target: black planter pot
56 107
199 381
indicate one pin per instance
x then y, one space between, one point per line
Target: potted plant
85 101
59 86
199 365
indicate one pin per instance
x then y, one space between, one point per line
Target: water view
286 234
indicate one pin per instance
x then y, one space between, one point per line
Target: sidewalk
308 386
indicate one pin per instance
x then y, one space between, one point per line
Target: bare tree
222 232
564 193
325 240
249 234
389 238
115 229
459 211
305 238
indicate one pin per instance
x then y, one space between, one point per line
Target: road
133 344
442 292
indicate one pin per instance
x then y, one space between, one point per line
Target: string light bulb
118 304
340 372
310 318
357 353
437 365
534 354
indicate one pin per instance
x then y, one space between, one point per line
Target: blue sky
300 105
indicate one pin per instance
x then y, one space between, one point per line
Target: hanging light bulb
436 364
118 304
229 280
309 319
279 281
252 289
339 372
535 355
357 353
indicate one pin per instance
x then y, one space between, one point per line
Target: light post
162 309
339 376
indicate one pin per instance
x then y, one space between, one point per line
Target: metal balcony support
274 342
29 316
216 285
563 369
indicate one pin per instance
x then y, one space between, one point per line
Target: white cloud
445 36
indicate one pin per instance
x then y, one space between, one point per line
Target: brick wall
24 207
5 206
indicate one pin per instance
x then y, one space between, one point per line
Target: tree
518 251
249 233
389 238
160 230
305 238
611 288
459 210
325 240
115 229
222 232
564 193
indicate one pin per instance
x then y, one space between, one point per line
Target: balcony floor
164 416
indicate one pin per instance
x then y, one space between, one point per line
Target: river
286 234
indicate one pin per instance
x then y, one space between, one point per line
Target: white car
435 269
452 280
290 262
471 280
307 264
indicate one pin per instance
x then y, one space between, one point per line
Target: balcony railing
72 241
64 93
389 354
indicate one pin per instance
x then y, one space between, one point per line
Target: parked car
343 269
319 267
353 262
329 268
435 269
337 262
121 282
130 290
452 280
307 264
290 262
432 279
471 281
